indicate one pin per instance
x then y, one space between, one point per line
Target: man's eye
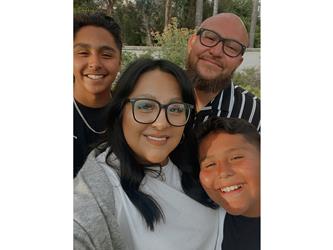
211 38
233 48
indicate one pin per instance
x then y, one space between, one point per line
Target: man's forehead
228 26
223 18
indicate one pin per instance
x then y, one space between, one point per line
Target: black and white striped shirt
233 102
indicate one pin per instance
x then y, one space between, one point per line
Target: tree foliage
141 18
249 79
173 42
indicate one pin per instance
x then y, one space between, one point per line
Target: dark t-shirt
241 233
84 138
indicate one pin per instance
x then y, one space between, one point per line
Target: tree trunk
146 25
109 6
215 7
167 13
198 12
253 22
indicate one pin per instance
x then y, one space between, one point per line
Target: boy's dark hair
131 170
99 20
229 126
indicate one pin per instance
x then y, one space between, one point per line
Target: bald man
214 53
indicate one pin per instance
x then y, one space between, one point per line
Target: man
97 60
214 53
229 155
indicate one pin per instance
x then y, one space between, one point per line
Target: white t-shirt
188 224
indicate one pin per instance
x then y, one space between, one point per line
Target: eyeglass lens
147 111
210 39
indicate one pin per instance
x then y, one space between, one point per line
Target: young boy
97 59
229 155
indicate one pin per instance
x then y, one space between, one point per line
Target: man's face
96 61
211 63
230 173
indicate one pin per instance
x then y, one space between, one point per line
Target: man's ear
190 43
241 60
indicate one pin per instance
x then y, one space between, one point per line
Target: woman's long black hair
131 171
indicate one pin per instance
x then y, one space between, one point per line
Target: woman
138 190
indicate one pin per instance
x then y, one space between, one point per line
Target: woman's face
152 143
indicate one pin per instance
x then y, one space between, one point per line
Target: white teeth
95 77
157 138
231 188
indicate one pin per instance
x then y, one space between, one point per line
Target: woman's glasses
147 110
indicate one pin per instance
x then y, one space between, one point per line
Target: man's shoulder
240 91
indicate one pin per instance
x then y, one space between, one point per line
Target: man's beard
211 86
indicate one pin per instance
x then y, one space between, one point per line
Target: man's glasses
230 47
147 110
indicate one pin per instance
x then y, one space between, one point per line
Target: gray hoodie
95 224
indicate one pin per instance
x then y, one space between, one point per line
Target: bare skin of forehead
229 20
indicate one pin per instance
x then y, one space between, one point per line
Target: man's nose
217 50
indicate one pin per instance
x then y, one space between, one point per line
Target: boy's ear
190 43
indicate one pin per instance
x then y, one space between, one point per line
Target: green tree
129 20
183 9
138 19
243 8
84 6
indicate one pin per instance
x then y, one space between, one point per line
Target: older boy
229 154
97 60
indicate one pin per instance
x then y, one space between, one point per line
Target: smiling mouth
95 77
210 61
231 188
157 138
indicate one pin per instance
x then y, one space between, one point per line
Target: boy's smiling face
230 172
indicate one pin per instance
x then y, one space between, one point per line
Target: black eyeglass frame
221 39
161 106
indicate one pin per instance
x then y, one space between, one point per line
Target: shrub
173 43
249 79
128 57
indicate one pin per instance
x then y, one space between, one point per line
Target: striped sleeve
247 107
234 102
